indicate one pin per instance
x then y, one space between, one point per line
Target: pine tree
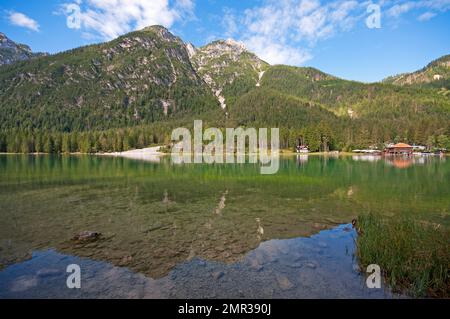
66 147
49 145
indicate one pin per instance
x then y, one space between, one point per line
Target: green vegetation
359 115
85 142
140 78
113 140
306 103
435 75
227 67
297 119
413 255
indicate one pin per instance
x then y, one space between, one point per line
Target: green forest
321 137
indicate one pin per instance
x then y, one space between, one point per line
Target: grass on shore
414 256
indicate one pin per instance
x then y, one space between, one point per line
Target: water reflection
366 158
399 162
322 266
302 159
155 217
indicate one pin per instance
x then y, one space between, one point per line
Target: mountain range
434 75
151 78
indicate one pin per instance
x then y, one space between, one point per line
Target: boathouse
399 149
303 149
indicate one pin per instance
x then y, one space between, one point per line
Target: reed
414 256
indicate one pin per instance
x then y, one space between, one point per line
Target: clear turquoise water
202 230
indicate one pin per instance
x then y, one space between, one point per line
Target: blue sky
333 36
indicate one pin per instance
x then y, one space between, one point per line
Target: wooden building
399 149
302 149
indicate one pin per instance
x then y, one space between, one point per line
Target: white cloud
401 7
426 16
229 22
286 31
21 20
306 6
111 18
276 52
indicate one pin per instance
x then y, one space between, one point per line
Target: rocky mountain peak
229 47
11 51
235 44
142 76
5 42
191 49
221 62
162 33
434 74
443 61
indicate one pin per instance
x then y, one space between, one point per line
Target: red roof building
399 149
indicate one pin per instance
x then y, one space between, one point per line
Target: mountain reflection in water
160 220
322 266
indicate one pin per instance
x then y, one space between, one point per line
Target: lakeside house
302 149
419 148
399 149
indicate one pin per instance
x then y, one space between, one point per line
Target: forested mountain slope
435 75
139 78
134 90
229 69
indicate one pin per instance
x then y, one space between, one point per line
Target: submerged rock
126 260
311 265
86 236
217 275
284 283
256 265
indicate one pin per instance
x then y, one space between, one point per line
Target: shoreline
149 154
155 151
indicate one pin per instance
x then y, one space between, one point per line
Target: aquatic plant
413 255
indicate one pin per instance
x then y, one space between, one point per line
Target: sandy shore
150 154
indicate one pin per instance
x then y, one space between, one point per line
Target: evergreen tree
49 145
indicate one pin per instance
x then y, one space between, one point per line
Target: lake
202 231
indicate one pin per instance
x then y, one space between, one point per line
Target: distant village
402 149
391 149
